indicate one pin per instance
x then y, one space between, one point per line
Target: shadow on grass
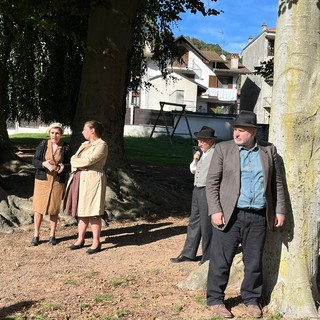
141 234
7 311
137 235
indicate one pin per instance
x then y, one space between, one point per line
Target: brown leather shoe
254 311
221 310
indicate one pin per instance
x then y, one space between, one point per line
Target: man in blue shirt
245 194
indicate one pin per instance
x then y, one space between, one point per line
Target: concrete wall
196 121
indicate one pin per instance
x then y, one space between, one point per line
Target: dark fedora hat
245 119
205 133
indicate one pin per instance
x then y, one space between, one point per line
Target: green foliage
120 314
265 70
41 53
38 316
102 297
42 47
201 300
273 316
201 45
216 318
70 281
124 281
51 306
153 27
90 273
176 308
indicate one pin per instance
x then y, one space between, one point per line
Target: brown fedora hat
205 133
245 119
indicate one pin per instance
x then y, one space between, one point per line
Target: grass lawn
138 149
159 150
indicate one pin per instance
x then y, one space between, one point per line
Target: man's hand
196 156
279 220
218 219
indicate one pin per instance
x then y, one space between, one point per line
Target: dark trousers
199 226
249 230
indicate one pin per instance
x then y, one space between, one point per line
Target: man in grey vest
199 221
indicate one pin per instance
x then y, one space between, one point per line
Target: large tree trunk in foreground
105 74
295 123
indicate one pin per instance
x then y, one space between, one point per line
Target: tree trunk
291 281
102 97
105 74
7 152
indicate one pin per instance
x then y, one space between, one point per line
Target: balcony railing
192 68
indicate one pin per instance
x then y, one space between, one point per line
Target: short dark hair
97 126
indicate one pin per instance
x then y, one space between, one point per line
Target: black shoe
35 241
180 258
202 262
53 240
96 250
77 246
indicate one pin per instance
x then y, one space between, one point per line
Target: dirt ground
131 278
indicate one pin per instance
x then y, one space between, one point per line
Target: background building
256 93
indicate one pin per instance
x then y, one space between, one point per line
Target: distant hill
201 45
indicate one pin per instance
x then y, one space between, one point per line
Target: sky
232 28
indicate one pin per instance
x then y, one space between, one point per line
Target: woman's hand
47 164
61 167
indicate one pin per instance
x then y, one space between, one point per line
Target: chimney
264 26
250 39
234 61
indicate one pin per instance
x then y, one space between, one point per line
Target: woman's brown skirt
72 196
47 196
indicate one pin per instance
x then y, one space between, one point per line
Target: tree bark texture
291 259
105 74
102 97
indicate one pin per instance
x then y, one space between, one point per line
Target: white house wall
252 56
205 69
162 91
152 71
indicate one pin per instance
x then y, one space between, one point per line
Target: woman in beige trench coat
86 188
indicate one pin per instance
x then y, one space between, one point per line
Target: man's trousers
199 226
247 228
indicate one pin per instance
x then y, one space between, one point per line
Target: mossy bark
291 259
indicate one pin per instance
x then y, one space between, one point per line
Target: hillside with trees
201 45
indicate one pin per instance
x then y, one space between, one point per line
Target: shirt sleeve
193 167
